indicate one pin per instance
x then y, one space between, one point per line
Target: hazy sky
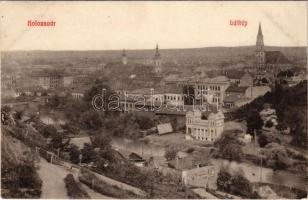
140 25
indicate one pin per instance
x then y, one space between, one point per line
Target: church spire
157 52
124 58
260 43
260 29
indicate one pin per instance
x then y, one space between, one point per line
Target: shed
164 128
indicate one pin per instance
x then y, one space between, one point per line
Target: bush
296 154
74 189
267 137
269 124
262 140
74 154
48 131
277 157
171 153
229 146
190 150
20 181
235 184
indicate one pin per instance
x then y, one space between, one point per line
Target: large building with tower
157 62
269 63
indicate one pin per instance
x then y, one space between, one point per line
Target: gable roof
237 89
276 57
232 98
173 89
234 74
135 157
164 128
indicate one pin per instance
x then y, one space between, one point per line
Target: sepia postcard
153 99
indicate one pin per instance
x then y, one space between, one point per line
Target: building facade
205 177
51 79
210 89
208 128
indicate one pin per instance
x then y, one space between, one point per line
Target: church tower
157 61
124 58
260 53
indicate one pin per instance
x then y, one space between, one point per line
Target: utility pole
261 166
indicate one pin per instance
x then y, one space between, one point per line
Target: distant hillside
194 56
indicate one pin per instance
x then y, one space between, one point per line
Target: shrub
190 150
74 189
236 184
269 124
74 154
20 181
277 157
171 153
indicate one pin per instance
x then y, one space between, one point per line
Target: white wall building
208 129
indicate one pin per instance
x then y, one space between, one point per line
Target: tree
48 130
254 122
74 154
189 95
235 184
88 153
229 146
91 120
103 90
6 109
241 186
70 128
55 101
279 93
269 124
277 157
57 141
170 153
18 115
74 110
224 180
144 121
299 135
101 141
263 140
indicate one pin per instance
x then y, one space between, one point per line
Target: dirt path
52 177
53 184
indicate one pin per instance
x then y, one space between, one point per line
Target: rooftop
48 73
234 74
236 89
173 89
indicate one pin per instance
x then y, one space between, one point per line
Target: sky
141 25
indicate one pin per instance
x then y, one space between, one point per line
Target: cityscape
212 122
